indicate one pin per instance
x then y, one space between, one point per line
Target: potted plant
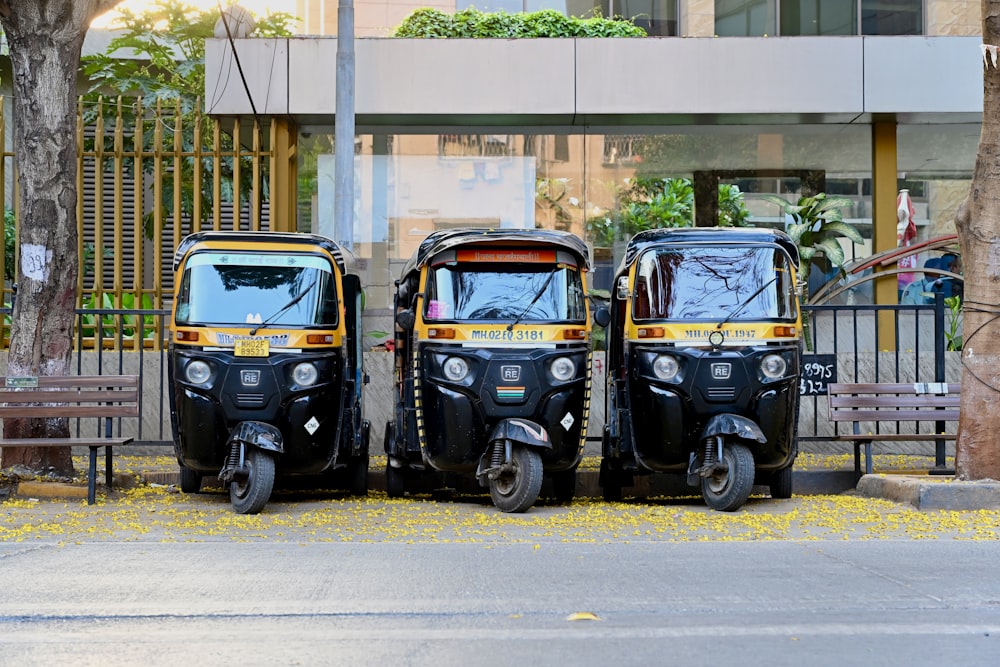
818 225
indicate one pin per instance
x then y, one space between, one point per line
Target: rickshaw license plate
252 347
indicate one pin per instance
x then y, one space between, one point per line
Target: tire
517 491
249 497
564 485
357 475
395 481
728 491
388 438
611 481
190 480
781 484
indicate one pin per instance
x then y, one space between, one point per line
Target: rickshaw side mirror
406 319
622 288
602 317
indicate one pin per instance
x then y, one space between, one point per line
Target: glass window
892 17
813 17
738 283
745 18
485 292
749 18
249 288
657 17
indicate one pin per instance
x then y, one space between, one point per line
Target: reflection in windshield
714 283
228 289
481 292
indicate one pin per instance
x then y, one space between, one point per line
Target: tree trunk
45 38
977 452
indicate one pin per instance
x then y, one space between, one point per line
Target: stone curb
932 492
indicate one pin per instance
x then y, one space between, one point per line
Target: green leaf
833 250
834 203
845 230
784 204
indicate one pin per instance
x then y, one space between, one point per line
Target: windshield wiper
746 302
295 299
538 295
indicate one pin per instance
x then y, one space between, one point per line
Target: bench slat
25 411
64 442
895 437
894 401
946 415
81 381
69 394
894 388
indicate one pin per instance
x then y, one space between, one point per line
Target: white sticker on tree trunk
35 260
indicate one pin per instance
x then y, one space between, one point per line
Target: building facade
848 97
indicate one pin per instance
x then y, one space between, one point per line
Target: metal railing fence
846 346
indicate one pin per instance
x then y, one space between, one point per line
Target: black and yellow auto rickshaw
703 362
492 363
265 363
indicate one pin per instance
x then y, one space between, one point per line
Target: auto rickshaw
703 362
492 363
265 363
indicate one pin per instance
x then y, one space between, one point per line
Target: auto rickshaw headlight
562 369
305 374
665 367
198 372
455 368
773 366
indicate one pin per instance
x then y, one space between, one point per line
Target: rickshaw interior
505 285
709 282
283 289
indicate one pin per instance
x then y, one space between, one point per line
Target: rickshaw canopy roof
440 241
342 257
707 236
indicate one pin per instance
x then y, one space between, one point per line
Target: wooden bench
881 403
103 397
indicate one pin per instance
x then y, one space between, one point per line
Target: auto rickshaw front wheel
248 496
517 488
728 488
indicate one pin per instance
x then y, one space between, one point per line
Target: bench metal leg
92 477
857 458
108 470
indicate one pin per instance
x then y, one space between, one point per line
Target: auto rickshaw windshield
526 292
711 283
230 289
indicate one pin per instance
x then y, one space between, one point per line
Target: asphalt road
181 580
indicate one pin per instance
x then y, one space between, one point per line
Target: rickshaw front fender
258 434
523 431
728 424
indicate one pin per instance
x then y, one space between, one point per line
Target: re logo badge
510 373
250 378
721 371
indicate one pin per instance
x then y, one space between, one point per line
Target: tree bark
977 452
45 38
